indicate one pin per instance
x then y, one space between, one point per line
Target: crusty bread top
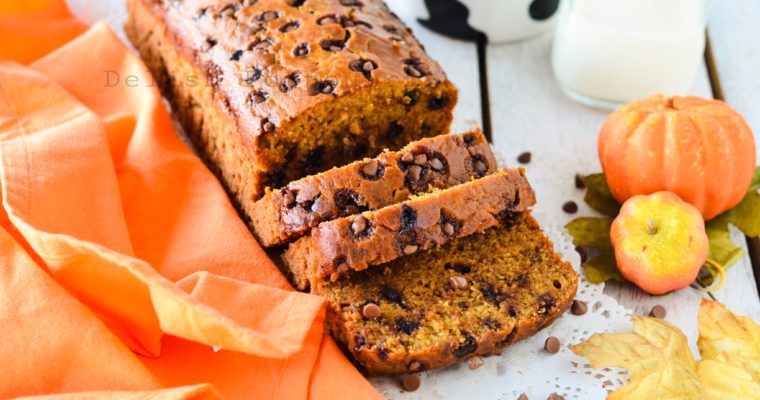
270 60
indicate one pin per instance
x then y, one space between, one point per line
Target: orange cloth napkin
125 273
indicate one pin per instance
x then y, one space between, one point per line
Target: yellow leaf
725 379
720 331
656 353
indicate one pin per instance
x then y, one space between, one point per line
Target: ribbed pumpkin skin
700 149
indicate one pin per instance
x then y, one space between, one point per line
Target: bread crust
335 247
253 112
289 213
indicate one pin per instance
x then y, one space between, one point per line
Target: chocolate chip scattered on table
570 207
411 382
551 345
658 311
524 158
578 307
579 182
475 363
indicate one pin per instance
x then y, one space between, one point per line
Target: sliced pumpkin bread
472 296
375 237
290 212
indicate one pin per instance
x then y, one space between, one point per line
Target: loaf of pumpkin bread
472 296
273 90
439 162
354 243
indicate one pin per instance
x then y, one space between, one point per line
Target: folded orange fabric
124 270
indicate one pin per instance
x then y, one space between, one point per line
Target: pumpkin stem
651 227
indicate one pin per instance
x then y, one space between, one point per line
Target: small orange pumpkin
701 149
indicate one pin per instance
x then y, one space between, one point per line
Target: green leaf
746 215
590 232
598 195
602 268
723 250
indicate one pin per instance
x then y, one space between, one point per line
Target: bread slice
439 162
273 90
515 285
376 237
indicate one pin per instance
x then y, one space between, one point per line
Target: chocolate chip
414 366
491 295
288 198
546 303
579 182
257 97
437 103
209 43
415 68
372 170
322 87
475 362
332 45
348 202
479 165
327 19
469 139
555 396
406 326
551 345
658 311
524 158
420 159
414 173
411 98
408 218
267 16
468 347
290 82
371 311
583 252
251 75
351 3
301 50
267 126
578 307
570 207
364 66
436 164
410 382
458 282
448 229
410 249
407 157
523 396
260 45
290 26
359 226
296 3
236 55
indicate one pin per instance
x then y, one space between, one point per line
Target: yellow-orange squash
700 149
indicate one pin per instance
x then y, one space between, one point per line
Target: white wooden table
528 112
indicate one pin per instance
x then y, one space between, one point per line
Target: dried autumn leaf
744 215
722 332
723 250
656 353
602 267
722 378
598 195
590 232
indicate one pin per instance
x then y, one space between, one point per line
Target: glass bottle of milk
608 52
